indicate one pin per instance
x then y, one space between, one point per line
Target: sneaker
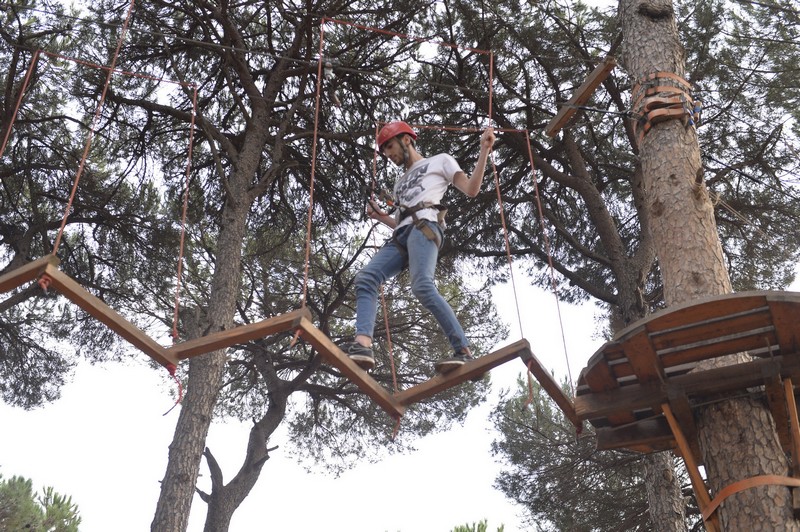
446 365
359 354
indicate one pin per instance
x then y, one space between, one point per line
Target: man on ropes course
418 223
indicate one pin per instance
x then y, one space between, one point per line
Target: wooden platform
626 383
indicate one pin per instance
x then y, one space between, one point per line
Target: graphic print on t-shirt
411 185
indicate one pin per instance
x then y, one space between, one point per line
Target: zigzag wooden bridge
46 271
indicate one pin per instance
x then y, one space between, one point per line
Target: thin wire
507 242
549 261
90 136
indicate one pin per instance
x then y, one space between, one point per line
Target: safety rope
92 129
384 307
185 208
310 217
551 268
22 89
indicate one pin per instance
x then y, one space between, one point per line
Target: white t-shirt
426 181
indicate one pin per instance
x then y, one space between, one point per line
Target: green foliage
558 476
476 527
21 509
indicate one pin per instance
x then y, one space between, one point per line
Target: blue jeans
421 257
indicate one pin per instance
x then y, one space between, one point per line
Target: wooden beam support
777 402
28 272
794 427
700 490
238 335
581 96
470 370
337 358
95 307
682 410
549 384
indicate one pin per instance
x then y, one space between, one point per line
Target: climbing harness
422 223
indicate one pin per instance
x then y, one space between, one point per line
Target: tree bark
205 378
664 497
737 437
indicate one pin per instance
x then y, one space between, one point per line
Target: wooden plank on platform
581 96
28 272
604 375
643 358
647 435
238 335
598 373
687 314
549 384
787 326
734 343
707 330
336 357
96 308
470 370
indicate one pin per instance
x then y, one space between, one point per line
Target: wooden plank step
96 308
581 96
27 273
470 370
549 384
238 335
337 358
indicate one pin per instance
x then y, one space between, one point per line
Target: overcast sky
105 443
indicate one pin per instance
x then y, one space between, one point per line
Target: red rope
172 371
529 400
90 136
401 35
313 172
175 334
23 87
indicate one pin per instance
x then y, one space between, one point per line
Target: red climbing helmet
391 130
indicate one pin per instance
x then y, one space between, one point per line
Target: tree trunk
737 437
664 498
205 378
